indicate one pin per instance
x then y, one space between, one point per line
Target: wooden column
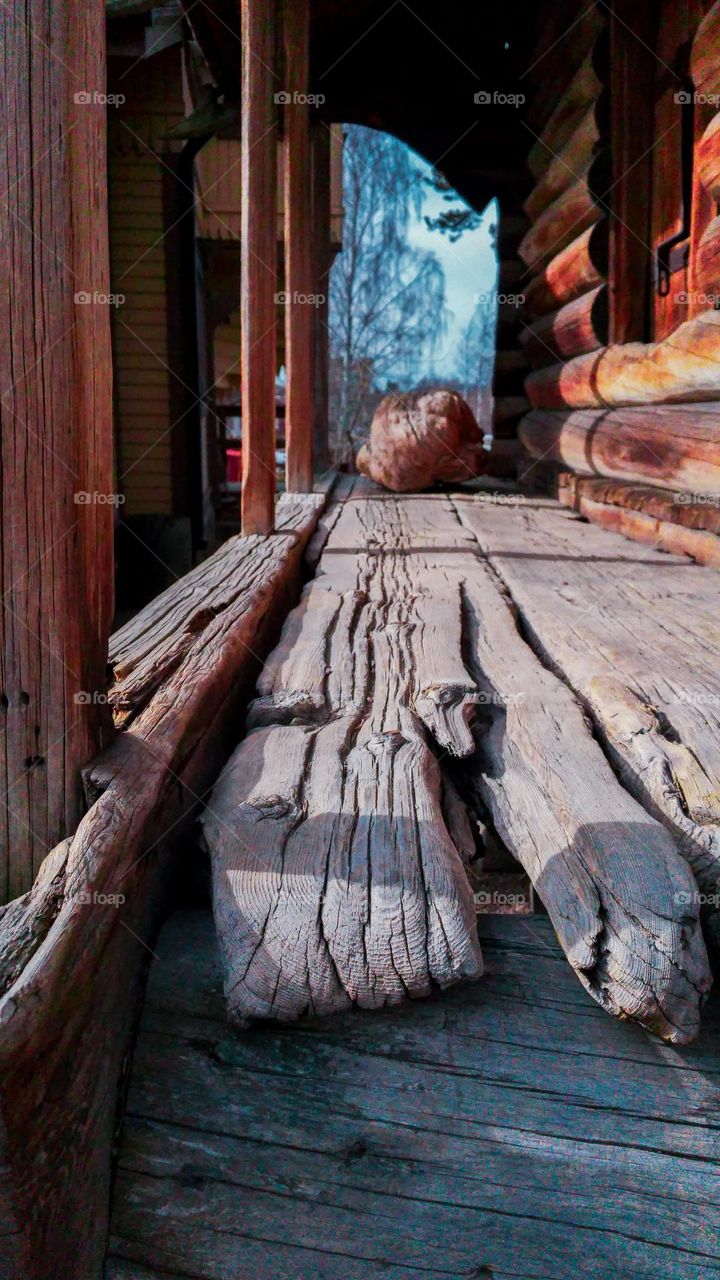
299 275
258 264
56 559
321 219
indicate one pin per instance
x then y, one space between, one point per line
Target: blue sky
469 267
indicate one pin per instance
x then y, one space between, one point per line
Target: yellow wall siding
137 143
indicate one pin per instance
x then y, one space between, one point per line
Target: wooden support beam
321 219
299 281
258 265
56 559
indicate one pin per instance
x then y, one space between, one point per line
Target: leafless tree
387 298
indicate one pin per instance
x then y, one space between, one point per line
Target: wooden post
299 282
258 264
321 218
56 560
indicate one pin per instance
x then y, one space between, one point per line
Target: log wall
614 151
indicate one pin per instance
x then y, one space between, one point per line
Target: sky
469 266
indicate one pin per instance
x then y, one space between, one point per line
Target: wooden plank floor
507 1129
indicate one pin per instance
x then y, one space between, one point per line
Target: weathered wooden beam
258 265
56 484
575 270
579 326
681 369
299 273
673 446
72 952
706 274
643 521
321 218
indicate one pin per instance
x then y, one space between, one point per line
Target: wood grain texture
506 1129
575 270
639 652
705 53
566 166
573 211
583 91
258 264
579 326
72 953
56 560
299 264
333 855
671 446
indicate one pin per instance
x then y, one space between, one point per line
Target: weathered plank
72 952
147 649
333 855
640 652
386 1143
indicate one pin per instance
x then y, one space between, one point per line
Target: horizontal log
682 369
574 271
705 54
584 88
661 504
703 548
580 326
669 446
707 158
706 276
571 213
655 517
567 52
73 949
564 169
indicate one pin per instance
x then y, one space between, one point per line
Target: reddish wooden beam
299 282
321 216
56 559
258 264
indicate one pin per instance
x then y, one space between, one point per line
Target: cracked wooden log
581 266
671 446
422 438
335 878
641 655
581 325
621 900
681 369
336 845
72 950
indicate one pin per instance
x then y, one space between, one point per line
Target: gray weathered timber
636 634
337 868
504 1131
